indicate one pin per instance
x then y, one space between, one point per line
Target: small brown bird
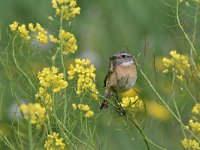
121 76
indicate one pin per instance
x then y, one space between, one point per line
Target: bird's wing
109 73
107 77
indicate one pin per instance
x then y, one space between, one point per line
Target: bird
121 77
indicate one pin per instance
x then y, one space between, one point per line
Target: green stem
54 114
61 48
84 129
108 100
175 105
146 139
49 123
67 106
53 58
1 102
7 142
63 66
17 65
63 128
186 36
194 33
140 130
166 105
30 136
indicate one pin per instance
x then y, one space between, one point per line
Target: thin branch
166 105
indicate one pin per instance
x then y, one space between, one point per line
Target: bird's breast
123 78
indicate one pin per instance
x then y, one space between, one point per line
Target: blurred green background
103 28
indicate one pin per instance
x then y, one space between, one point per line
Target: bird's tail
104 104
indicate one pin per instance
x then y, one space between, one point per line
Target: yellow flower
41 34
68 41
198 1
190 144
196 109
50 79
50 18
65 8
45 97
54 142
54 4
89 114
157 111
130 93
180 77
31 28
177 63
167 62
24 33
53 39
35 112
85 108
74 106
86 77
195 126
158 63
14 26
165 70
42 37
131 103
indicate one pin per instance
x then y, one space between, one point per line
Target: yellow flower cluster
177 63
131 103
68 41
86 77
53 39
23 32
40 33
50 79
130 93
45 97
194 124
53 142
67 9
14 26
190 144
35 112
198 1
157 111
89 113
196 109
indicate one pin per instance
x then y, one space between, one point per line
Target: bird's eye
123 56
